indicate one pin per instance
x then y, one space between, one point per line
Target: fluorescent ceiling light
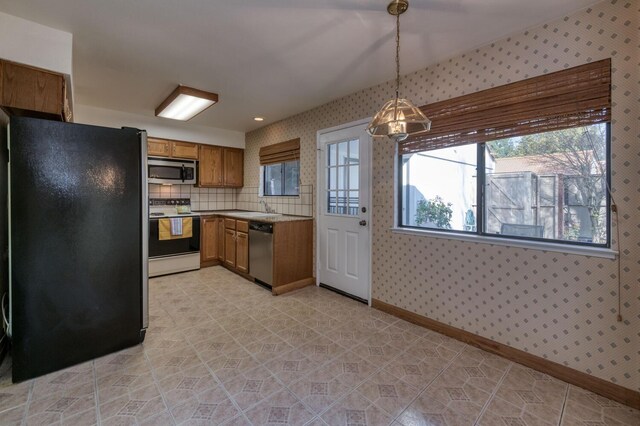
185 103
258 118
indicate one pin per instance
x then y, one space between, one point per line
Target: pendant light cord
397 56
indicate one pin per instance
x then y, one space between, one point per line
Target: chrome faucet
267 207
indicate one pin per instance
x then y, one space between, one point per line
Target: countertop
254 216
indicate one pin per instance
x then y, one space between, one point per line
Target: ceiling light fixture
185 103
398 118
258 118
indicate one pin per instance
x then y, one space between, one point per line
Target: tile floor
221 350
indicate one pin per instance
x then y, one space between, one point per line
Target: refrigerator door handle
145 231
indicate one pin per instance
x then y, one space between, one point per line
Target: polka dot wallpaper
558 306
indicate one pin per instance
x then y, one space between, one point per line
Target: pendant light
398 118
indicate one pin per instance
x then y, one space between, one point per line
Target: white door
344 209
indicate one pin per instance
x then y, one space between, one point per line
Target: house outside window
545 186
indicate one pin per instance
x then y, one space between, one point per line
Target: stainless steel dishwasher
261 252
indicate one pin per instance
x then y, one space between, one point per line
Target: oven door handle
183 173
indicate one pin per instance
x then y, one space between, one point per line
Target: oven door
172 171
161 248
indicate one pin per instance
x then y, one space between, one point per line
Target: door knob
363 223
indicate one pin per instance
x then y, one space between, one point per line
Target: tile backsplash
231 198
201 198
302 205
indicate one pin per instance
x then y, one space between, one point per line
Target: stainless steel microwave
166 171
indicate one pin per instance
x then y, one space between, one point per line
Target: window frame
480 205
263 180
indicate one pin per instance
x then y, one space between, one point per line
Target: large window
281 179
548 186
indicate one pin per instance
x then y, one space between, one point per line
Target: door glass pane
354 177
354 203
342 178
332 175
273 179
342 202
332 155
354 151
332 202
343 154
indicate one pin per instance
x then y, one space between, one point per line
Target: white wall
158 127
34 44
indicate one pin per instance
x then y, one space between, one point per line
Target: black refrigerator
78 243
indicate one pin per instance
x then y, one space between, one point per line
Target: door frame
320 185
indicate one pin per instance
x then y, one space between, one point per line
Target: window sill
605 253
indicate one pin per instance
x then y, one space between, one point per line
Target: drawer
242 226
230 223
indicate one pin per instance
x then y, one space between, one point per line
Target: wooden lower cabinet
242 252
209 241
220 222
230 247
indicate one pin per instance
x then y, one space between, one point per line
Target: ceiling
270 58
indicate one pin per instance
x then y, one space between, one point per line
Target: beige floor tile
253 386
347 336
228 366
585 406
298 335
416 372
500 411
186 384
162 340
379 353
350 369
320 389
136 406
388 392
12 395
202 332
251 333
457 393
428 411
115 385
162 419
216 346
13 416
174 362
76 381
58 407
211 407
126 359
321 350
291 366
354 409
283 408
268 348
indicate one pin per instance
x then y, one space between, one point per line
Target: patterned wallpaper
560 307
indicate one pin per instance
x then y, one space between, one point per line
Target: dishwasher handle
261 227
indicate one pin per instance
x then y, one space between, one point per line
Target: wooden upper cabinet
157 147
221 167
33 92
211 166
233 167
184 150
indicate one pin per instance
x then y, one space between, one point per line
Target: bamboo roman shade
280 152
573 97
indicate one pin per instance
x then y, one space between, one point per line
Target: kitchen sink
255 214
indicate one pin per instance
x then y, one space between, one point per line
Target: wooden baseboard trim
578 378
281 289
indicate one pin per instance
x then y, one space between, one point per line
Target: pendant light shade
398 118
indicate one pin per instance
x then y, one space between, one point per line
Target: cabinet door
210 172
221 238
28 89
209 243
233 167
242 252
230 247
184 150
158 147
